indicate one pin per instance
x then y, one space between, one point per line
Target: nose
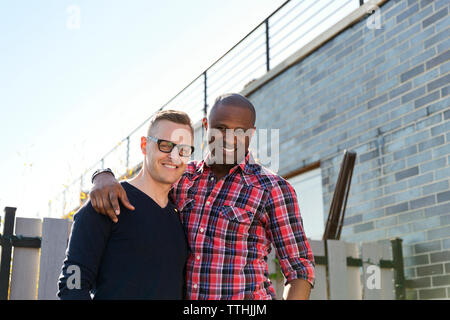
175 156
229 139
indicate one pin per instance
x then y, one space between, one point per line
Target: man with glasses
142 255
233 210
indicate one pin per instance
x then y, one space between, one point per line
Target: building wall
384 94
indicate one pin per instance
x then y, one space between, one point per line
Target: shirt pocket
237 215
232 235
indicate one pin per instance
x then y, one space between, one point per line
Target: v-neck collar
168 206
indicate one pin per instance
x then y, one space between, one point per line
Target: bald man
233 209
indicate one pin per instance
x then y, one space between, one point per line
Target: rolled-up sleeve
285 229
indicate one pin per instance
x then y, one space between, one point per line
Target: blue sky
67 96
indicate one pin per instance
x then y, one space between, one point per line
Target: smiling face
166 168
233 124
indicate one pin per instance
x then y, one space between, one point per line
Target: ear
144 145
205 123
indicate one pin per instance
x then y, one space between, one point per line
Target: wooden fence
31 270
39 250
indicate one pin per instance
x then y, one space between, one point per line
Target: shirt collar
246 165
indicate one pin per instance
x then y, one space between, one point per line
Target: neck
156 190
221 170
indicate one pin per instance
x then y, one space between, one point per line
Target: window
308 187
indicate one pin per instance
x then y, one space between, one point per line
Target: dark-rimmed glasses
167 146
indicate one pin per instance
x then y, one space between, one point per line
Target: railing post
205 92
267 46
6 243
64 201
128 152
399 273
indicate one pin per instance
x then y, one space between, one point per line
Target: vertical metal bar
80 194
128 152
205 92
399 273
267 46
351 158
336 213
64 202
49 208
5 262
103 163
327 271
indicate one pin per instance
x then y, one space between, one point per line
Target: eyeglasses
166 146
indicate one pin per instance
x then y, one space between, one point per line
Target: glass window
308 187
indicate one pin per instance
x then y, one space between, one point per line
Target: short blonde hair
179 117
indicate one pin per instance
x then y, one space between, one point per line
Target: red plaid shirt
230 226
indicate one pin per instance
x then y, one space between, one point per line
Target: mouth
170 166
229 150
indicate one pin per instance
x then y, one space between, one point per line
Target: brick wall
383 93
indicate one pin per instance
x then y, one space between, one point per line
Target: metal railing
286 30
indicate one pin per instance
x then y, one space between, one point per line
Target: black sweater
142 256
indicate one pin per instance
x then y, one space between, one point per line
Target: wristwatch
101 171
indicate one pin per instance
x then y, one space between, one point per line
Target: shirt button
195 286
207 202
201 229
198 257
212 178
176 210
